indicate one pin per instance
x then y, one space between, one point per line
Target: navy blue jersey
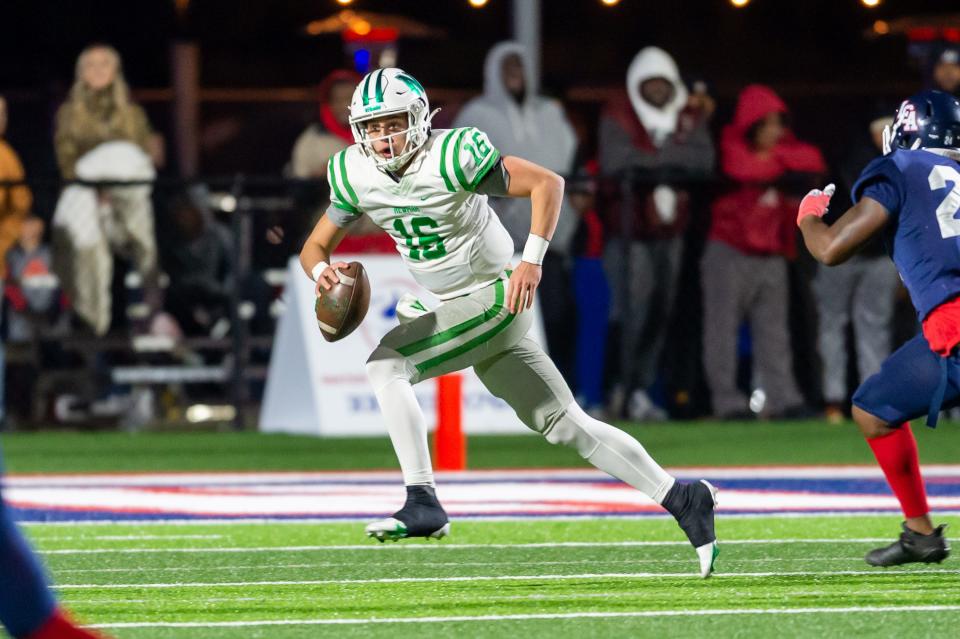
921 191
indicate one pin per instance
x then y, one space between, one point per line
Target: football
341 309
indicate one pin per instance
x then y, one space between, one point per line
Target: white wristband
535 249
319 268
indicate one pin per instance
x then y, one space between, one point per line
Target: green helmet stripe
380 85
411 82
366 89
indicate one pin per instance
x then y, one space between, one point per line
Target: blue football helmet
927 120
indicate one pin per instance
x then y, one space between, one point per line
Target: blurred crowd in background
677 252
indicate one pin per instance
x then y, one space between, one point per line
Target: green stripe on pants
463 348
459 329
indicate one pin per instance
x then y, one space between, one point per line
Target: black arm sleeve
496 181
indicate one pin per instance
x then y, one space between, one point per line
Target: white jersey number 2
939 176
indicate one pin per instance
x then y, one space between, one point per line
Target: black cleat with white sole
693 505
421 516
912 547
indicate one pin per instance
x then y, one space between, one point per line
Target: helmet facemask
416 135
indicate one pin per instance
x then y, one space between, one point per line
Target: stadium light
610 3
476 4
739 3
344 2
870 3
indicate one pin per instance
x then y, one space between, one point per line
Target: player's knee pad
386 365
573 428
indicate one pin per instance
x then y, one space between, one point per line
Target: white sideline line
544 616
405 580
443 546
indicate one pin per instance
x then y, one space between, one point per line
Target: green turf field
673 444
577 578
496 579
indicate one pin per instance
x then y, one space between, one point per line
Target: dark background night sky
813 51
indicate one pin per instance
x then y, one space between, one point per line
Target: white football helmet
387 92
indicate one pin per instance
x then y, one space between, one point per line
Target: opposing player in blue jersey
28 609
910 196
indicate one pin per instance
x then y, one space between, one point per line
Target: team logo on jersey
906 118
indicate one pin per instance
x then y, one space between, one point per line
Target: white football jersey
449 237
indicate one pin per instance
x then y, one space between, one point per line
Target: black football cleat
912 547
421 516
693 505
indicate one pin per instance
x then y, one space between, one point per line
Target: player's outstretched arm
545 190
836 243
316 252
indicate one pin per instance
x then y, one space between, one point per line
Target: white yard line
526 617
153 537
441 564
59 538
631 595
475 578
442 546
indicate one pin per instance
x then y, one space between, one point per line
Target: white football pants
477 330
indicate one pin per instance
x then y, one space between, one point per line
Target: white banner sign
320 388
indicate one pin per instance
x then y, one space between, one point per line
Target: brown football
341 309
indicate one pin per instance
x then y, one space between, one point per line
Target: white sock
406 424
612 451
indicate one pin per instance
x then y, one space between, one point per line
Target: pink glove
815 202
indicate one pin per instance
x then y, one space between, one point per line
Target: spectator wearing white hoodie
519 121
656 134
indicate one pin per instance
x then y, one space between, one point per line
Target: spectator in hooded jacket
321 140
655 127
519 121
744 267
330 132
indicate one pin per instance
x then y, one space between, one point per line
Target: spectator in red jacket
744 268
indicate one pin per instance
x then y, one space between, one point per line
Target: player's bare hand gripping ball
329 277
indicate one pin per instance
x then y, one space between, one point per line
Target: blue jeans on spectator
593 309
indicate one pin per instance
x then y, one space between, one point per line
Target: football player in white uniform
428 189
